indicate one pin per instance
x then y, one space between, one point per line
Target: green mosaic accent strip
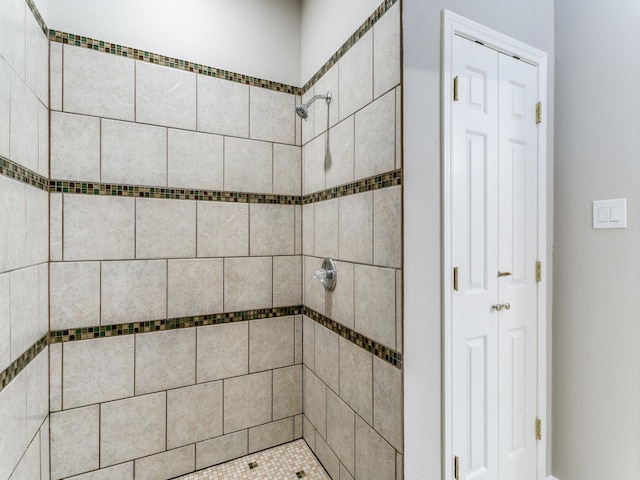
13 170
37 16
359 33
115 190
144 56
73 334
385 353
12 371
389 179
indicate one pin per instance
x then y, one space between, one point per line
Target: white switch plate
610 213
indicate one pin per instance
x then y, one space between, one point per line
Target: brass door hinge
538 429
538 271
455 278
456 468
538 112
455 88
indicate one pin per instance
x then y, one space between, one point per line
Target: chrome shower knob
327 275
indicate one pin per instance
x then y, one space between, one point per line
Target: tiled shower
161 222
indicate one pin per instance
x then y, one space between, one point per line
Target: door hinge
456 468
455 278
538 112
538 271
455 88
538 429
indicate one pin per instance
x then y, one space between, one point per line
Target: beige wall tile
75 295
195 287
13 27
272 229
308 433
375 303
221 449
298 124
375 137
247 401
327 457
375 458
356 76
314 292
132 428
314 156
75 147
133 153
271 343
386 51
308 343
387 227
45 457
340 301
399 319
29 466
287 281
328 83
124 471
112 357
75 436
37 59
287 392
223 351
247 283
308 229
5 321
248 165
37 226
24 125
195 160
272 115
223 107
13 413
165 96
37 392
287 169
55 76
356 228
5 108
340 430
315 402
165 360
387 402
167 464
326 228
398 127
165 228
341 168
298 340
98 227
55 227
307 125
99 84
270 435
298 227
223 229
13 219
126 298
26 328
194 414
43 140
326 357
55 377
297 427
356 379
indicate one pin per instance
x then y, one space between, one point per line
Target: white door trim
453 24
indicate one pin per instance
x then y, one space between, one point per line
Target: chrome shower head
303 110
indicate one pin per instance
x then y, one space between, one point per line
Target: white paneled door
494 247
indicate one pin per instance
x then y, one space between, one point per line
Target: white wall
253 37
325 26
530 21
597 306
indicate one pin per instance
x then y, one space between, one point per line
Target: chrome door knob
506 306
497 307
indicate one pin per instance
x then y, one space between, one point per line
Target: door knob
497 307
506 306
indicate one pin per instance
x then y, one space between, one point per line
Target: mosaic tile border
16 172
359 33
20 363
118 190
389 179
37 16
385 353
171 62
73 334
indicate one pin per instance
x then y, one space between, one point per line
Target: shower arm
326 97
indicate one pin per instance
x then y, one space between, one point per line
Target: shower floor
289 461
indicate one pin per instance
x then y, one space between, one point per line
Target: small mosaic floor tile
289 461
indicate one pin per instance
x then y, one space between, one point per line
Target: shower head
303 110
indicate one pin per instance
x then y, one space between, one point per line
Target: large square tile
25 116
375 303
356 76
247 283
271 116
75 147
341 430
165 228
375 458
222 351
194 414
13 414
327 356
356 228
341 168
223 107
75 438
315 402
247 401
248 165
386 51
287 281
356 379
272 229
167 464
387 402
5 108
12 34
287 392
195 160
270 434
387 227
271 343
195 287
75 294
221 449
287 169
223 229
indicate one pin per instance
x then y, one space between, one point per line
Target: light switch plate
610 213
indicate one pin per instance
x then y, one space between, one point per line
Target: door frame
454 24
